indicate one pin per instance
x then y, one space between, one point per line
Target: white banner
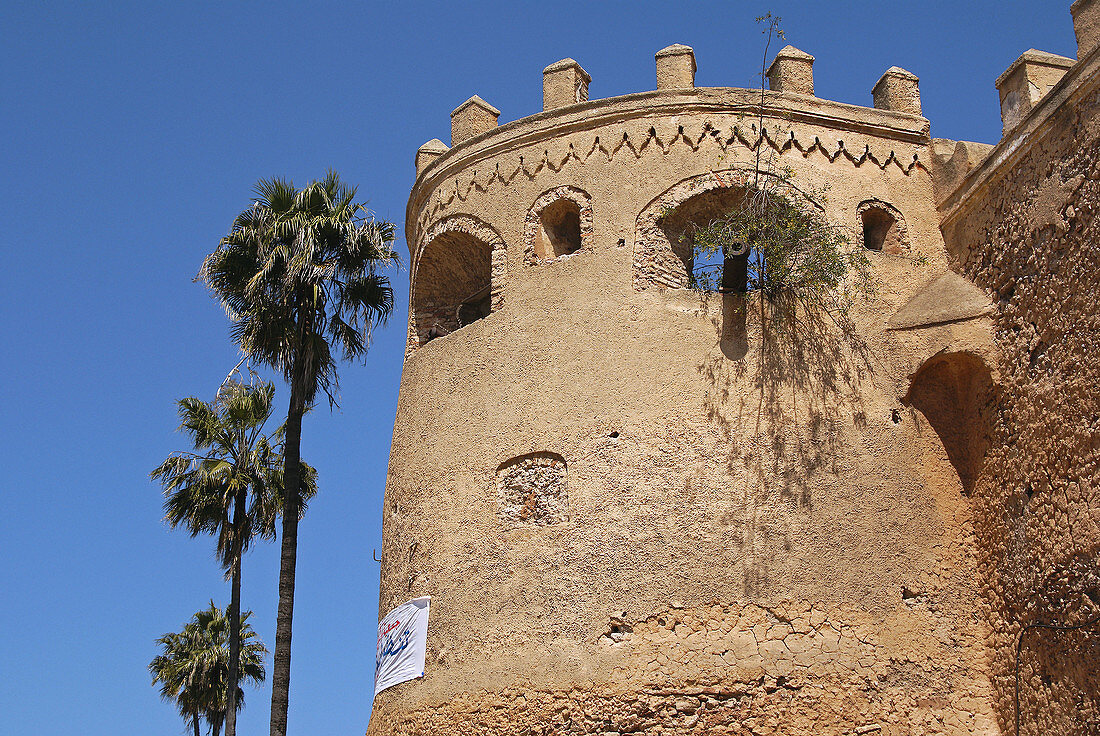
402 638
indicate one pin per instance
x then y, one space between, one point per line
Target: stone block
897 90
1026 81
1086 25
564 83
429 152
473 117
792 71
676 67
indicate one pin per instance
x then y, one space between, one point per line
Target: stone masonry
639 508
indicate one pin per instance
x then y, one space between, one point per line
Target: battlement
566 84
576 143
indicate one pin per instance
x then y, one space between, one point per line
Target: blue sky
133 134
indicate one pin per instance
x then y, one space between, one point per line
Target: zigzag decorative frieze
711 136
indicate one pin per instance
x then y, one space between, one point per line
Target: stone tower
639 509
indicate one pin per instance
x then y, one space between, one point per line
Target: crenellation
429 152
564 83
952 162
792 70
1086 25
472 118
898 90
712 136
675 67
1026 81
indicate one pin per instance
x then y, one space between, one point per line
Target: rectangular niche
533 490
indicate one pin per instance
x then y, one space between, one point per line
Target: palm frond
192 668
233 459
299 268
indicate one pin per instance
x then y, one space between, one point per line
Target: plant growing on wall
776 241
766 245
780 248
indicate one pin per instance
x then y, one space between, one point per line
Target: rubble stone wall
1027 229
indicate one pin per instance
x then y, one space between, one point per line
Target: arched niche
954 392
664 249
882 227
457 278
558 224
533 490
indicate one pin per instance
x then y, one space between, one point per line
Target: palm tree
194 667
298 269
230 487
176 670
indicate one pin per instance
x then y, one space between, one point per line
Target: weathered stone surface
472 118
948 298
1086 25
897 90
1026 81
429 152
953 161
730 531
564 83
1026 229
792 70
675 67
533 490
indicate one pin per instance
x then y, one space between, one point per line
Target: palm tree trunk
235 617
280 679
195 723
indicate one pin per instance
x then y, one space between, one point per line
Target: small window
726 273
559 232
881 230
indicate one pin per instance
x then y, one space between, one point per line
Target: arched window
664 235
726 272
453 284
883 228
559 230
558 224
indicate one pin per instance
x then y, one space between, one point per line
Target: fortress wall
718 533
1026 227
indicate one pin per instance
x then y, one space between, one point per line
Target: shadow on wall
785 379
733 336
954 392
